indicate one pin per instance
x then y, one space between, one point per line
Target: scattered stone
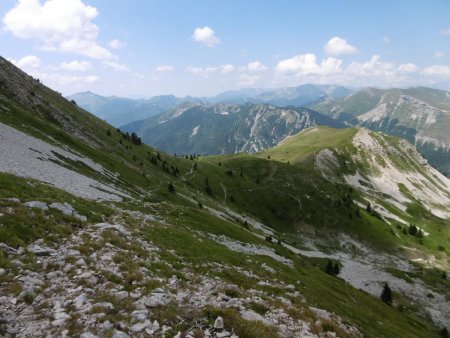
155 326
222 334
88 335
121 295
253 316
39 250
174 282
11 199
61 315
156 299
65 208
81 262
218 324
140 326
140 315
37 205
8 249
79 301
68 210
106 305
59 322
120 334
267 268
117 227
107 325
89 278
2 272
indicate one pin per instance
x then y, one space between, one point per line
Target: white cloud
223 69
386 39
164 68
117 44
90 79
59 25
205 36
115 66
446 32
408 68
247 80
195 70
339 46
305 64
331 66
256 67
299 64
27 62
373 67
306 68
439 54
437 70
76 66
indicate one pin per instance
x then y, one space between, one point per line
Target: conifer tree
171 188
336 269
386 295
329 267
207 187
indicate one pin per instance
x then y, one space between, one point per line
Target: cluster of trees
170 169
136 140
188 157
332 269
413 231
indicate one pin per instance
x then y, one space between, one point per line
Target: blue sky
145 48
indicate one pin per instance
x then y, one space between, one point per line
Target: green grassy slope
293 199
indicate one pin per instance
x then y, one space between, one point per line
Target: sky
142 48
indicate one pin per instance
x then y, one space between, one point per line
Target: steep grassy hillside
173 243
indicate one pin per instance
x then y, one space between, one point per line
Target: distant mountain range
120 111
225 128
282 97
